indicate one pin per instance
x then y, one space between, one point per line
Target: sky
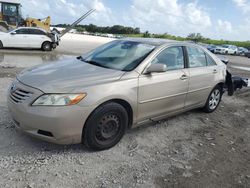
216 19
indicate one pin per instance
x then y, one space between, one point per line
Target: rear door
164 93
202 71
37 37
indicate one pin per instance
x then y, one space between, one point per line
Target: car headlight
59 99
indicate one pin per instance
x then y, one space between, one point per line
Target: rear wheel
46 46
106 126
213 100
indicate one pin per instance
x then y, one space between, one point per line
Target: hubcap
47 46
108 127
214 99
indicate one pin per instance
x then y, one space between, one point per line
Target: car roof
151 41
160 42
10 1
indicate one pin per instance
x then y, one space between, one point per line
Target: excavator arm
42 23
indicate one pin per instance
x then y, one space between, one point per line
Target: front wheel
106 126
213 100
46 46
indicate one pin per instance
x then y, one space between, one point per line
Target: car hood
221 48
67 76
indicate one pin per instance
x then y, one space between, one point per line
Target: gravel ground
190 150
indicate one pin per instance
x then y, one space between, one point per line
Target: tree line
136 32
116 29
197 38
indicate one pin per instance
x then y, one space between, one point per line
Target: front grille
19 95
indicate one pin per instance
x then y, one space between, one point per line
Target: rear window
210 61
36 32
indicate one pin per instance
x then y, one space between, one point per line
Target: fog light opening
45 133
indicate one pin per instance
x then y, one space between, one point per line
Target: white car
219 50
29 37
229 49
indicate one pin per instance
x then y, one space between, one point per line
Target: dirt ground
190 150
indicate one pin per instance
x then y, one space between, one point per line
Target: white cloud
224 26
223 29
241 31
196 15
243 4
162 16
158 16
65 11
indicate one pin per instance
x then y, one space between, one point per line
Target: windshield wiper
95 63
91 62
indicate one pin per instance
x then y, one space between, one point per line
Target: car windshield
225 46
119 55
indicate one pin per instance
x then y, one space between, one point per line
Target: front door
19 38
163 93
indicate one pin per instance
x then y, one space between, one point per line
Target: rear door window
36 32
210 61
197 57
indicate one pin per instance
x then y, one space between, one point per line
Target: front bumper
219 51
60 125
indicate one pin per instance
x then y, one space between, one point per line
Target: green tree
195 37
146 35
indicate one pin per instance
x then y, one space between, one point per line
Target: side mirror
13 33
157 68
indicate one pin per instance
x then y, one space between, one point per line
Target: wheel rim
47 46
214 99
108 128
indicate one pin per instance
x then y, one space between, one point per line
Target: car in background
229 49
211 48
95 98
219 50
242 51
29 37
247 54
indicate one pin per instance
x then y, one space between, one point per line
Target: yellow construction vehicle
11 17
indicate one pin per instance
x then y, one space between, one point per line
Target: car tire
213 100
46 46
105 127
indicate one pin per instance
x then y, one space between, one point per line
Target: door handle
215 71
184 77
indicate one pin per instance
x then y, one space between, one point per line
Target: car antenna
77 21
